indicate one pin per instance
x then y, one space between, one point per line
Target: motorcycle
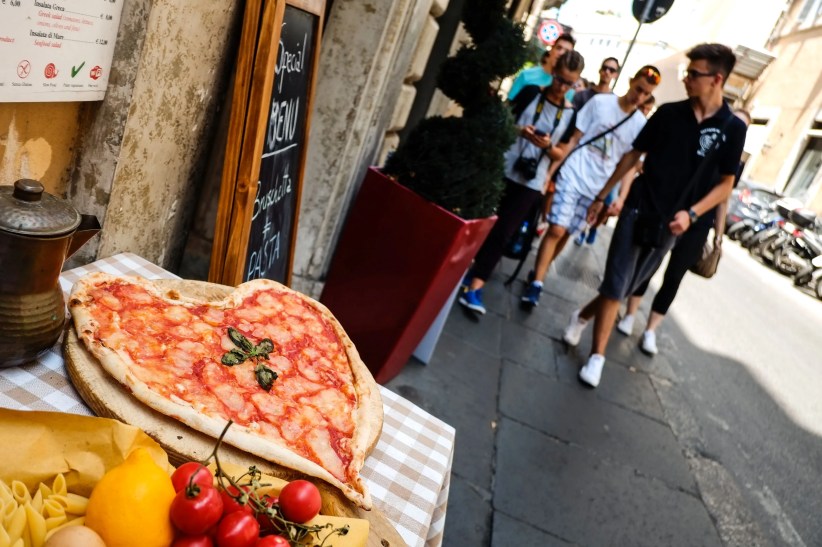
791 248
810 276
762 244
808 258
743 230
748 207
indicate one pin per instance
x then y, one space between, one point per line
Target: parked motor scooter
811 276
746 228
808 258
788 250
762 244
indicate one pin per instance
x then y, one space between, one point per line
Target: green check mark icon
76 69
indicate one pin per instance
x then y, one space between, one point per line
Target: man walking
543 75
692 152
607 72
606 125
544 124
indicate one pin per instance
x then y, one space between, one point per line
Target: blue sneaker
580 239
466 281
532 294
592 236
473 301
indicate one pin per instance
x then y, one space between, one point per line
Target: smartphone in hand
539 132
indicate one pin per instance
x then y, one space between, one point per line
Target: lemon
130 505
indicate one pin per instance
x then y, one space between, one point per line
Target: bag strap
538 113
592 139
686 191
522 99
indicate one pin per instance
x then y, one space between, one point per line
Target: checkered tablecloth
408 473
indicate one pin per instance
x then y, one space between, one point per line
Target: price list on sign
56 50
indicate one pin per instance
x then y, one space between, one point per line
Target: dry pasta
28 521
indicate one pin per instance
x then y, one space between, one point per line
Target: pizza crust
368 414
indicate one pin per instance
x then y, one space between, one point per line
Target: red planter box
398 259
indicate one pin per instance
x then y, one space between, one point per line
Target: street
746 348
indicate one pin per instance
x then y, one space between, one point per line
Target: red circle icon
96 72
549 30
51 71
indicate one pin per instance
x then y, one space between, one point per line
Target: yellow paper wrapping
36 446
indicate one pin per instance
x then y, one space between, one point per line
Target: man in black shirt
676 187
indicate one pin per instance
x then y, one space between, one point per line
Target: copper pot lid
26 209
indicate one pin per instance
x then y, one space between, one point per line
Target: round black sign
658 9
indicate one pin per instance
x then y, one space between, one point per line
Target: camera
527 167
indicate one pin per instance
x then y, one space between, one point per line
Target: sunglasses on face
610 69
651 75
563 81
692 74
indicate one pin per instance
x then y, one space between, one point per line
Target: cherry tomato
300 501
181 476
194 510
237 529
193 541
272 541
265 522
230 503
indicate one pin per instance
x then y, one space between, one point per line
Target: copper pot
38 232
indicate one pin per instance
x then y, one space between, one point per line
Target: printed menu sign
277 201
56 50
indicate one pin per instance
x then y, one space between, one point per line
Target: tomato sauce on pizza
175 349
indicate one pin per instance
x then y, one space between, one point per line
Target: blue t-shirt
534 76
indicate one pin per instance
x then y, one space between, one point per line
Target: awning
751 63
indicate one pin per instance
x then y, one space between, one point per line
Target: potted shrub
415 225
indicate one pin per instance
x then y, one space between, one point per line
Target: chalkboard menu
273 224
262 172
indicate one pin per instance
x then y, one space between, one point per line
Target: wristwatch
693 216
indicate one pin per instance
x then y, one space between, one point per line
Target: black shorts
629 264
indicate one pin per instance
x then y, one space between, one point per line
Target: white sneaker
648 344
592 371
574 330
626 325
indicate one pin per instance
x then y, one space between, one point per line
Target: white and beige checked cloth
408 473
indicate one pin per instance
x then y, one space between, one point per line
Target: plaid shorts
569 209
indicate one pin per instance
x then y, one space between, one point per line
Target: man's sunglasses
692 74
563 81
610 69
651 75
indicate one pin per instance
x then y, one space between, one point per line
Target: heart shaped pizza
273 361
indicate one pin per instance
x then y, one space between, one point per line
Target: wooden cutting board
107 398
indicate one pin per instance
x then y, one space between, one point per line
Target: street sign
549 30
657 9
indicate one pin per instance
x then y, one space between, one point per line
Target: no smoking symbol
23 69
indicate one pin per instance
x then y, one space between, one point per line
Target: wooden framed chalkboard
267 139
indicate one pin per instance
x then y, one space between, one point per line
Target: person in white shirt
605 131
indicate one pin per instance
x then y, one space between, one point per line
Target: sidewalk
542 460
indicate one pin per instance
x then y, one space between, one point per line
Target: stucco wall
146 146
37 142
790 91
367 48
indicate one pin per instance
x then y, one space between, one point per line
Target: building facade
785 139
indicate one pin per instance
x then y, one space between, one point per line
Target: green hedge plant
457 162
